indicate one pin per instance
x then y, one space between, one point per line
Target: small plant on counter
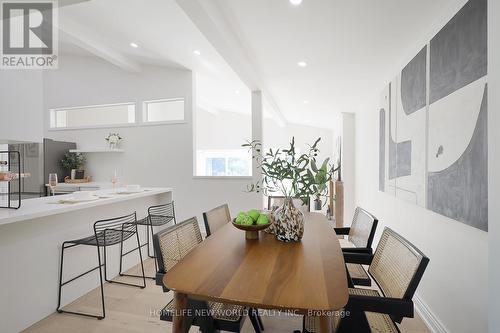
72 161
113 140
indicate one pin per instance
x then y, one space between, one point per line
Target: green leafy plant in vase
72 162
294 176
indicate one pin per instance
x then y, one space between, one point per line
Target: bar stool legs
143 276
61 284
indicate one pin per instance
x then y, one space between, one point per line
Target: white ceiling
166 37
351 47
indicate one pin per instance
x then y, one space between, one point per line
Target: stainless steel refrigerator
38 160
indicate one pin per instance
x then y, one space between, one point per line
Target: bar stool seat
107 238
155 220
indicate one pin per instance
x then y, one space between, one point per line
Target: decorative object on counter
9 176
68 180
113 140
80 174
52 182
114 179
73 162
131 189
295 176
252 222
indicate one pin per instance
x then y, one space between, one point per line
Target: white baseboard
428 317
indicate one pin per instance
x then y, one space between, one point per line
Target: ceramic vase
288 222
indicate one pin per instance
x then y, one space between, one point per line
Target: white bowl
83 195
133 188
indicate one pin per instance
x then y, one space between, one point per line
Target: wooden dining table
306 277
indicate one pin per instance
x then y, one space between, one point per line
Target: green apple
247 220
240 217
254 214
262 219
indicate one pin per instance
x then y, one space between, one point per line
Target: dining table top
266 273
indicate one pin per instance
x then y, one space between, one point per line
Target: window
167 110
92 116
230 162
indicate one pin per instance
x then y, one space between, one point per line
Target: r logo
27 28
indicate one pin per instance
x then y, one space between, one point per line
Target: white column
348 144
257 116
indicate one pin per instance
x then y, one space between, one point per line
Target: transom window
93 116
166 110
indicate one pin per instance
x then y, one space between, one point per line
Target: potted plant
72 162
113 140
322 176
294 176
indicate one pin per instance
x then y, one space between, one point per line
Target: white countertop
46 206
89 184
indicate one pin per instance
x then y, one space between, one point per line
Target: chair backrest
175 242
397 266
362 228
276 201
216 218
115 230
162 214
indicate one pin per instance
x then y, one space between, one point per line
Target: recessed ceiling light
305 101
197 52
134 45
295 2
237 92
302 64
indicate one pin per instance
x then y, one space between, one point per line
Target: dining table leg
179 317
325 324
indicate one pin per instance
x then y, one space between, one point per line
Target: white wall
21 105
222 130
276 136
494 161
455 285
154 155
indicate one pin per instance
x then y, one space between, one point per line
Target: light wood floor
135 310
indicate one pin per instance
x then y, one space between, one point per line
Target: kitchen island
30 245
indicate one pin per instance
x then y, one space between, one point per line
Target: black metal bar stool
106 233
157 216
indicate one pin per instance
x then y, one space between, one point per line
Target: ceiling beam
74 33
217 24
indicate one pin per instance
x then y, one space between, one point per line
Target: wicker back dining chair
273 202
174 243
216 218
359 240
397 267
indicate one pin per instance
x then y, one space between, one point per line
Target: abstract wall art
433 143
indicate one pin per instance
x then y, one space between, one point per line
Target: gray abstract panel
461 190
414 83
459 51
381 154
399 155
